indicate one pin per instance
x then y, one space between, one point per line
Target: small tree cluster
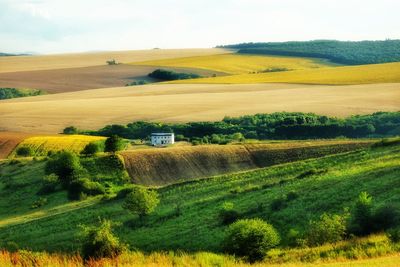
65 165
141 201
251 239
24 151
100 242
114 143
329 228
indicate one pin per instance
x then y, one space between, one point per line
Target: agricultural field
53 226
93 109
9 141
77 60
240 64
340 75
158 167
42 145
85 78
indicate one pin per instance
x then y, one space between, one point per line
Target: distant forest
280 125
342 52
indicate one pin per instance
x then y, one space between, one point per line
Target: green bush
100 242
82 187
39 203
278 204
251 239
141 201
91 149
386 217
227 214
361 222
114 143
328 229
394 234
293 238
49 184
65 165
11 246
70 130
25 151
168 75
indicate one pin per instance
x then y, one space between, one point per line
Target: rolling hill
341 75
315 181
93 109
76 60
240 64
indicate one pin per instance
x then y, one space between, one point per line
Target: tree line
279 125
343 52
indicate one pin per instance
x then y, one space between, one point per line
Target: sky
59 26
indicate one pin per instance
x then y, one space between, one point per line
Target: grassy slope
171 165
239 64
41 145
373 170
364 74
189 102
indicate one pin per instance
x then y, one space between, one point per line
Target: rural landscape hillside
176 139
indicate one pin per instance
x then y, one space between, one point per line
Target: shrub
394 235
168 75
227 214
278 204
91 149
65 165
292 195
362 218
100 242
385 217
83 187
328 229
49 184
24 151
39 202
141 201
293 238
251 239
114 143
70 130
11 246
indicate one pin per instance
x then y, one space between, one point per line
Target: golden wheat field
342 75
239 64
93 109
74 60
41 145
158 167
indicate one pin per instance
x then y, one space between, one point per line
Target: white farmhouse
161 139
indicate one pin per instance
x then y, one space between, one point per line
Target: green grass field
54 226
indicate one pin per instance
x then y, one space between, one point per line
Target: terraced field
240 64
41 145
156 167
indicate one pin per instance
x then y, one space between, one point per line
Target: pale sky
55 26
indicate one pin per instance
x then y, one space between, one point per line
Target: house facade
162 139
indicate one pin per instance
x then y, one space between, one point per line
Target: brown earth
76 79
162 166
93 109
9 140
